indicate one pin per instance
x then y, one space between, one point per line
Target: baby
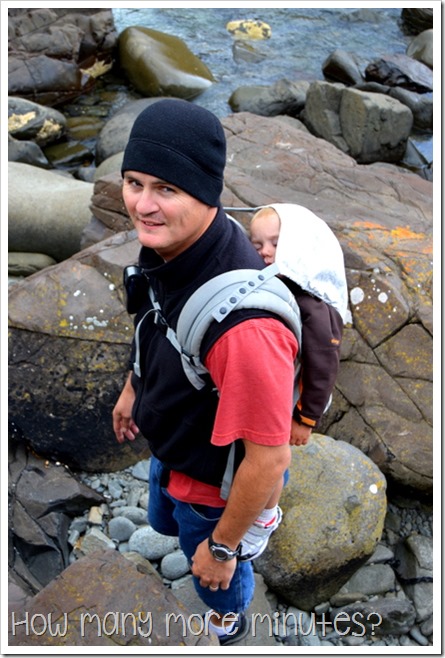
310 262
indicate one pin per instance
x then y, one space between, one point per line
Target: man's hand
123 424
211 573
299 434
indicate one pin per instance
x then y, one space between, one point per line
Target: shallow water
301 40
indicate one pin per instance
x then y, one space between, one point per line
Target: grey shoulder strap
215 299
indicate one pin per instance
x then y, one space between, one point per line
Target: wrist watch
221 552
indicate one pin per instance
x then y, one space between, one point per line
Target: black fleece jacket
175 418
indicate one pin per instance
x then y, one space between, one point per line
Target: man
172 181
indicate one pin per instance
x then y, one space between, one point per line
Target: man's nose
146 203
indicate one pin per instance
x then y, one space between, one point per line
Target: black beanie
181 143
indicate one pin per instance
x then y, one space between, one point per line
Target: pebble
122 524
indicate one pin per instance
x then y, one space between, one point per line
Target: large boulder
56 54
109 600
43 497
334 510
70 336
51 216
383 219
161 64
370 127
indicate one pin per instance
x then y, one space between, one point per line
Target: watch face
219 553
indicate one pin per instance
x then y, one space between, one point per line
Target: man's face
166 218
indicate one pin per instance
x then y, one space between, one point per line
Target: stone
414 558
57 54
331 524
51 216
159 64
375 127
421 48
32 121
82 301
417 20
249 29
136 515
151 544
174 565
42 496
283 97
25 264
372 579
399 70
344 67
121 528
377 617
106 599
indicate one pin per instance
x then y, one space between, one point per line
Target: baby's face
264 232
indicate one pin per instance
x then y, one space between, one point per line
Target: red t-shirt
252 366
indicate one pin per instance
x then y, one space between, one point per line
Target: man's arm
123 425
258 474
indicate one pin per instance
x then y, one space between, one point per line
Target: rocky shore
69 239
389 582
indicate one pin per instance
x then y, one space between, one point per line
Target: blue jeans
192 524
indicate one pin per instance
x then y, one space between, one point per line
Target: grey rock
150 544
320 545
140 470
120 528
136 515
415 558
378 617
50 218
372 579
421 48
174 565
95 540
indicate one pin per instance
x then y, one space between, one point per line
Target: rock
25 264
150 544
376 617
249 29
160 64
121 528
107 204
334 509
246 52
136 515
372 579
31 121
70 337
370 127
95 540
399 70
387 244
343 67
174 565
417 20
52 214
107 600
69 155
42 496
283 97
27 152
421 48
414 558
111 165
56 54
421 106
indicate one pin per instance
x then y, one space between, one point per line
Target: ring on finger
213 588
